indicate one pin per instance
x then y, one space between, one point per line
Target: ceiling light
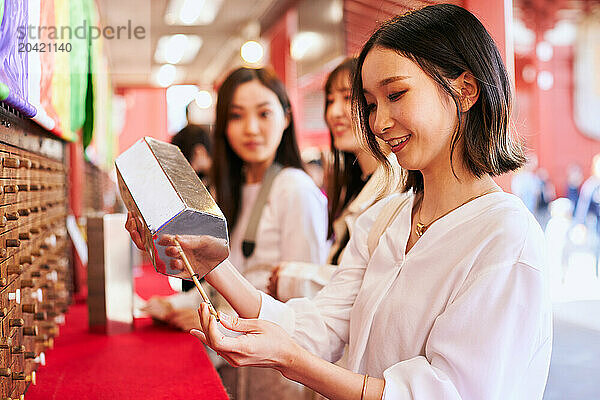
306 45
564 33
181 95
175 49
252 52
204 99
166 75
192 12
336 11
544 51
524 38
545 80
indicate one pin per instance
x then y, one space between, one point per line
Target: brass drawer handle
12 162
12 216
24 236
15 269
13 243
17 349
23 187
29 308
5 343
27 283
11 189
16 322
25 163
24 212
30 330
18 376
39 316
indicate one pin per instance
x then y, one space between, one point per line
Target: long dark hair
227 171
344 180
445 40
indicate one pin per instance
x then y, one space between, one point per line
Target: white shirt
292 227
465 314
301 279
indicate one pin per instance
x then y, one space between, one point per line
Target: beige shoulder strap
384 219
249 241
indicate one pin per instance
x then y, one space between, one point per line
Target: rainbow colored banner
69 93
13 56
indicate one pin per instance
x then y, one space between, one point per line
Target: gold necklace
421 228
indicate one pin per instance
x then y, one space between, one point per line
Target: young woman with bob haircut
452 303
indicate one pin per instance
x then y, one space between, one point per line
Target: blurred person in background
589 196
527 185
355 180
574 180
195 143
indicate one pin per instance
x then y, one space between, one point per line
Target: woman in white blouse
453 302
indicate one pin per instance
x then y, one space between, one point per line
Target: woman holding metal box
450 299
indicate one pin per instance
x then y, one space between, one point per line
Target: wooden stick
194 275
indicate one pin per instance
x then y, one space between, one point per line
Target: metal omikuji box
166 196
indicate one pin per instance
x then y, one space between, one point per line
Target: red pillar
280 38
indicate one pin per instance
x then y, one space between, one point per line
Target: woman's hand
136 236
185 319
203 252
159 308
263 344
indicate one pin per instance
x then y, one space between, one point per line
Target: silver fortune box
166 196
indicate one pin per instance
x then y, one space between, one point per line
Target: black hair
344 177
190 136
228 168
445 40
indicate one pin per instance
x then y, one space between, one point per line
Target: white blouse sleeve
299 279
464 357
321 325
302 211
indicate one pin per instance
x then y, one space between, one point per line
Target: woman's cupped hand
261 343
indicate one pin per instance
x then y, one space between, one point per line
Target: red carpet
153 362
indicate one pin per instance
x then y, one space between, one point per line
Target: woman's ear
468 90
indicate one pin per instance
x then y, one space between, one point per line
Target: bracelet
364 387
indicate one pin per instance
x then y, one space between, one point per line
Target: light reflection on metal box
162 190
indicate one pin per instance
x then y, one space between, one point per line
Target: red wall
545 118
146 115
